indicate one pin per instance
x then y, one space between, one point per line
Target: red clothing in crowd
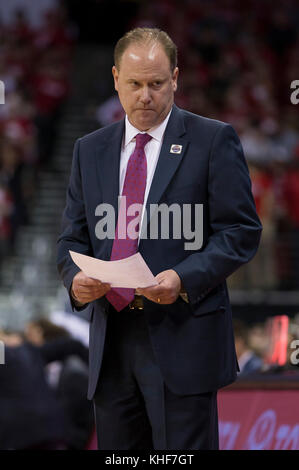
6 206
17 128
291 195
262 183
49 92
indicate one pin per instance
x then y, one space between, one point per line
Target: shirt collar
156 132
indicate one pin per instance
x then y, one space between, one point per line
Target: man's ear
115 76
175 78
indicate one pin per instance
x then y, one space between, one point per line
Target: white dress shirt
152 151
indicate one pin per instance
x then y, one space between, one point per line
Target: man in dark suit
157 358
32 415
249 362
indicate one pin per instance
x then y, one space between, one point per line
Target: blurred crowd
34 67
44 378
237 61
269 347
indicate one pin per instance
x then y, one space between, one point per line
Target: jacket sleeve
74 234
234 226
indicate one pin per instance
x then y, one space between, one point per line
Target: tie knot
142 140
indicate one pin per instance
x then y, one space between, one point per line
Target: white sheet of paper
131 272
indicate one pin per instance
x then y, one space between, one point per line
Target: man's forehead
144 53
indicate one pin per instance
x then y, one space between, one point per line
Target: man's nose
145 95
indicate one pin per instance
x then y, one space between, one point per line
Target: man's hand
167 291
85 289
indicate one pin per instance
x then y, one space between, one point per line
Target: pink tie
134 188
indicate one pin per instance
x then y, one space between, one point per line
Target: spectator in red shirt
50 89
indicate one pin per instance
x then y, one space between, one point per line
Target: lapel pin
176 148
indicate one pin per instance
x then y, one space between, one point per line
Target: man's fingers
167 290
88 295
81 279
160 278
91 290
155 294
87 289
88 281
152 291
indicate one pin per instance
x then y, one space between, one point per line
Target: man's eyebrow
156 79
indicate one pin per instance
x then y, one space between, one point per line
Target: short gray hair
146 36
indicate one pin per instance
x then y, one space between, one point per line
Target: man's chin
144 124
146 119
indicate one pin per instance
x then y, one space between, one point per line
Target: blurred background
237 61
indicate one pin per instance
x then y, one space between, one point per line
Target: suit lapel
108 158
168 162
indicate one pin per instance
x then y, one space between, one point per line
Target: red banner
258 419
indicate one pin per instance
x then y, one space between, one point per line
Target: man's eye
157 84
